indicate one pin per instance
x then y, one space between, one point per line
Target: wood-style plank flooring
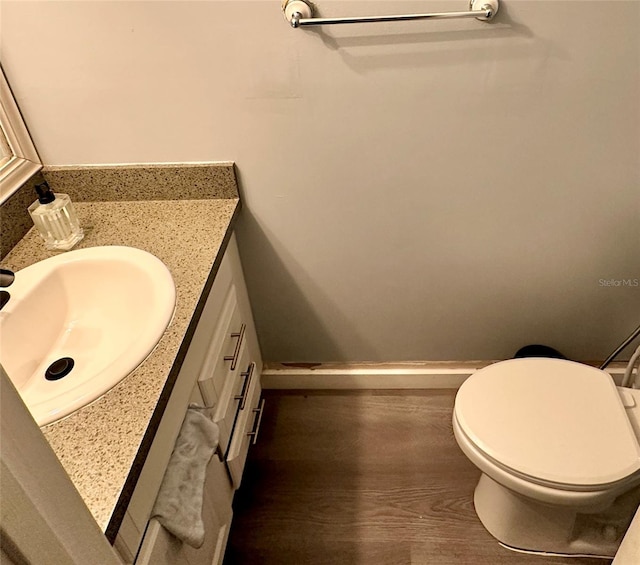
362 478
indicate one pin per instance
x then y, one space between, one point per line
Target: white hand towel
178 506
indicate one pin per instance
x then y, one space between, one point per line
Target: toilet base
550 554
523 524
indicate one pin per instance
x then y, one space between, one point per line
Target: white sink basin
106 308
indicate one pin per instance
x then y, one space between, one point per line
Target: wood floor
362 478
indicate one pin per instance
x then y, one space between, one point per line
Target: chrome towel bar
300 13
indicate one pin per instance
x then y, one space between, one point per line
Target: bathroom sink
78 323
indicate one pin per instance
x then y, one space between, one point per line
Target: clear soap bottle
55 219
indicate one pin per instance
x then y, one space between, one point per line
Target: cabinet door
159 547
212 524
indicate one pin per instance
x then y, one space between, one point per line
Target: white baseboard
371 376
367 376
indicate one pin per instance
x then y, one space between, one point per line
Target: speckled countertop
103 445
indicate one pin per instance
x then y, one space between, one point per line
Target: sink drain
58 369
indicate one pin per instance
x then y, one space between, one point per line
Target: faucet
6 279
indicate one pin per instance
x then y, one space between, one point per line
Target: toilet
558 445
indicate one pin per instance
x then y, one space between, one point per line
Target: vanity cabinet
221 371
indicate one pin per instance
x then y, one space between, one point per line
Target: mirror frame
23 160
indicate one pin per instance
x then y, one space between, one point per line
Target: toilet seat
552 422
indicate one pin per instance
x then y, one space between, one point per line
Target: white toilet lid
552 420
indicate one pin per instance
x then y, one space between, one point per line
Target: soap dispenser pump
55 219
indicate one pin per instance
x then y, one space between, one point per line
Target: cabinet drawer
233 398
245 432
222 355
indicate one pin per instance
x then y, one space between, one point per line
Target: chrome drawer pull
242 397
234 358
256 429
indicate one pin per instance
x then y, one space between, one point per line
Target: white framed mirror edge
22 161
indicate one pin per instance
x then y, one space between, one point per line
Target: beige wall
426 190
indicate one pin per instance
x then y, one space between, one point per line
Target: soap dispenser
55 219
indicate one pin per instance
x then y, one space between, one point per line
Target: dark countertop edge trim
122 503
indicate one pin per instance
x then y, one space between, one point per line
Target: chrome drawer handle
256 429
242 397
236 352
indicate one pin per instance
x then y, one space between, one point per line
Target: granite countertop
103 445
